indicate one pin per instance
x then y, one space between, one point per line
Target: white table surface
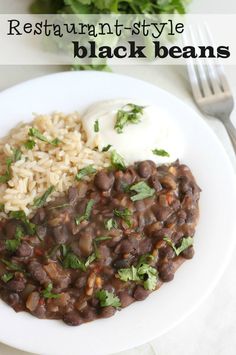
211 330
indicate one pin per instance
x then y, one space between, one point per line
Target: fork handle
231 132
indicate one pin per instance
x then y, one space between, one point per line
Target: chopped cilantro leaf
111 224
107 299
87 213
117 161
143 191
161 152
88 170
47 292
124 214
40 201
96 126
128 114
7 277
186 242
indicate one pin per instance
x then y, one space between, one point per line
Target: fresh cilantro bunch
108 6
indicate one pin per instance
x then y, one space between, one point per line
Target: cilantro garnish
47 292
87 213
40 201
143 191
186 242
88 170
117 161
107 299
143 273
128 114
161 152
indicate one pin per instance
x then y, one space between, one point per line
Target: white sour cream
156 130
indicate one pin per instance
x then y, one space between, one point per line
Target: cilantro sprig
13 244
185 244
47 292
21 216
107 299
88 170
87 212
7 277
128 114
16 155
142 273
34 132
117 161
161 152
142 191
40 201
124 214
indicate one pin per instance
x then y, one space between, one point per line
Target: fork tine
211 69
201 71
192 74
219 68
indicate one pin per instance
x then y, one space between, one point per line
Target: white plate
214 240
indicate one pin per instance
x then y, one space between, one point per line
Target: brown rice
45 165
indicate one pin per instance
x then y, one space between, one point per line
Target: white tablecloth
211 330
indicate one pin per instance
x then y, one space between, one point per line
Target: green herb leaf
88 170
143 273
7 277
125 215
29 144
117 161
40 201
20 215
161 152
34 132
96 126
47 293
72 261
13 244
2 207
111 224
143 191
11 266
101 238
107 299
186 243
87 213
90 259
16 154
128 114
58 206
105 149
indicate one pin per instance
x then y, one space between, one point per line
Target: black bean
140 293
166 252
10 229
60 234
88 314
125 299
24 250
39 216
38 273
73 318
16 285
40 312
162 213
160 234
155 183
166 271
104 180
86 242
13 299
144 169
121 263
107 312
188 253
41 231
81 281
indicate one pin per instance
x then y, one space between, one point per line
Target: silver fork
210 87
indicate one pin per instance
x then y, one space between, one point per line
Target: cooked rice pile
45 165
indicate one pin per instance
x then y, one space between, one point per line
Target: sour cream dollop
156 130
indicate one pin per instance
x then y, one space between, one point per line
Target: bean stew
107 243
